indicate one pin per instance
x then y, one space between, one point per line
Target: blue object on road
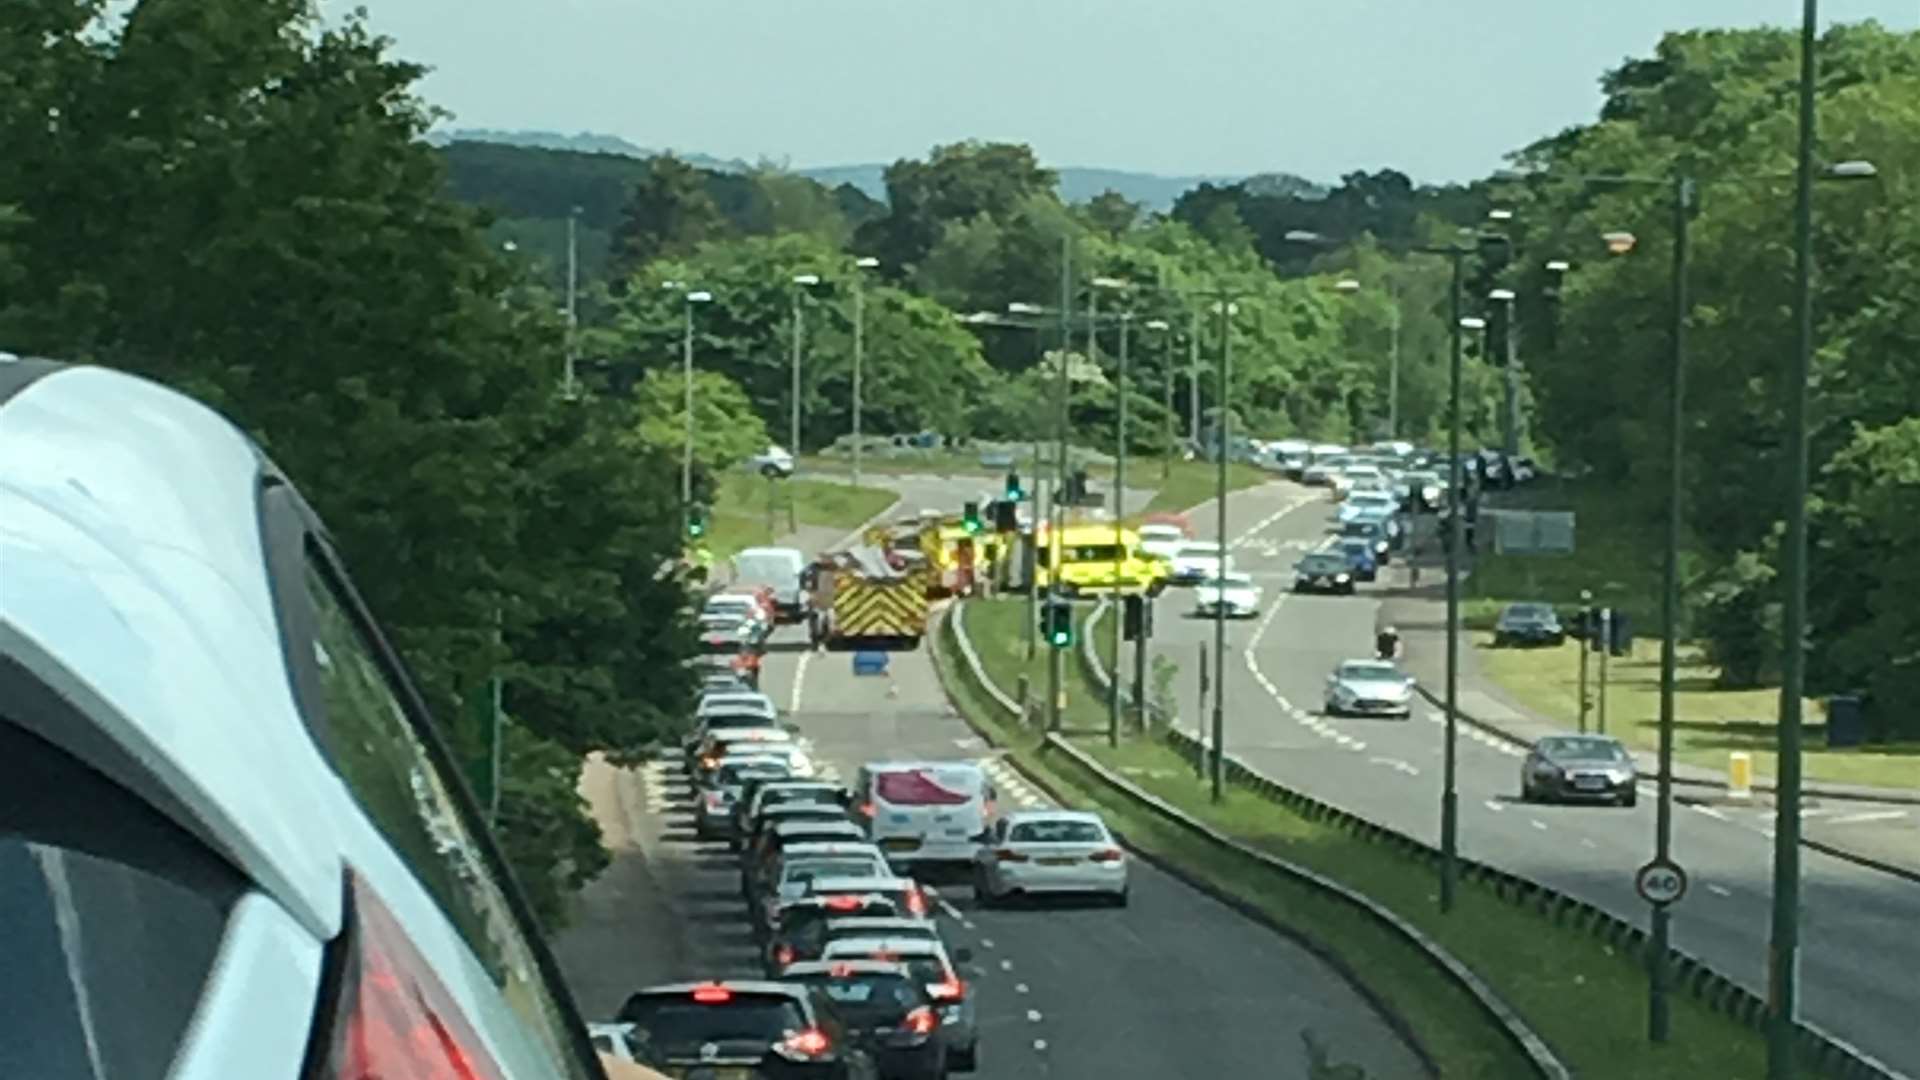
869 662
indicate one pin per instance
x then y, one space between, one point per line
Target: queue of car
857 980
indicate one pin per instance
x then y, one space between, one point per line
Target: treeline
269 233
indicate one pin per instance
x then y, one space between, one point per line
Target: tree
1112 213
670 212
727 429
957 182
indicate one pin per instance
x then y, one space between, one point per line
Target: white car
241 812
1355 476
1198 561
1236 592
737 701
1050 851
771 462
1360 504
1369 688
1162 541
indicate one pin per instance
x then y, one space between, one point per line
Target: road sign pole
1140 664
1606 650
1199 725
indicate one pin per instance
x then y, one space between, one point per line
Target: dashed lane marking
1871 815
1019 988
1710 812
1538 824
1494 805
1006 965
1584 842
952 912
1719 890
1040 1044
1033 1016
799 681
986 943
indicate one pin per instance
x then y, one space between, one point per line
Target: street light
1161 326
859 348
689 299
1510 418
801 282
1119 500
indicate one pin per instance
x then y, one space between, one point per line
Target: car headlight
1619 776
1340 577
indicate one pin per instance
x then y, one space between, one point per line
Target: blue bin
869 662
1846 721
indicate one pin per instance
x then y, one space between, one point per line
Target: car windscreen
1371 672
1094 553
866 1000
1529 613
766 570
926 787
800 797
733 774
1057 832
1323 564
679 1023
1583 749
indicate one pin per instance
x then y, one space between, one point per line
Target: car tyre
966 1060
1118 899
1630 799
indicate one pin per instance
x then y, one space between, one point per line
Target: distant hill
1076 184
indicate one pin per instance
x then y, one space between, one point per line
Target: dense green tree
957 182
668 212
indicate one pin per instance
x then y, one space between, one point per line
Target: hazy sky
1437 88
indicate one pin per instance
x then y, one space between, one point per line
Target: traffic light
1006 516
1056 622
970 517
1014 493
696 521
1136 618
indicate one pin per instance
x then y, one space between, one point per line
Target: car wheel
1119 899
966 1060
1526 792
769 471
1630 799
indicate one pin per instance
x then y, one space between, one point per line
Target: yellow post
1739 775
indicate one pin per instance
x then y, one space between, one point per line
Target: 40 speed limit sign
1660 882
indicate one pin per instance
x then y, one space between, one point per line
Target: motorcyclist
1387 643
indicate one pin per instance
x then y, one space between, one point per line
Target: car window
825 868
113 918
680 1022
1583 749
1369 671
383 759
1059 832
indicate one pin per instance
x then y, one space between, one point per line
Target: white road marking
1538 824
1006 965
1719 890
1710 812
799 681
986 943
1584 842
971 742
1872 815
1033 1015
968 923
951 911
1040 1044
1494 805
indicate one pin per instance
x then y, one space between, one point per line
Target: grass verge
1189 483
740 518
1709 722
1585 997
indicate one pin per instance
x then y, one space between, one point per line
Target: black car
1323 572
885 1007
1567 768
801 931
1528 624
779 1031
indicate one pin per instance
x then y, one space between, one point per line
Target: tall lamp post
859 349
689 299
1119 498
801 283
1223 429
1509 335
1163 328
573 309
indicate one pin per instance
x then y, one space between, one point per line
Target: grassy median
1586 998
741 518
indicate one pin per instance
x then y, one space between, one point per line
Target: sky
1439 89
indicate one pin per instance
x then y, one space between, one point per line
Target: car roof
881 923
796 828
1018 816
898 946
137 581
750 734
738 986
905 766
827 849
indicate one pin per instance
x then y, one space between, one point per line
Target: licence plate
1056 861
900 843
714 1072
1590 783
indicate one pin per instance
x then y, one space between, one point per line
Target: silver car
930 962
1234 592
1369 688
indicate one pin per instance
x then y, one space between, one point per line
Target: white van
779 569
925 811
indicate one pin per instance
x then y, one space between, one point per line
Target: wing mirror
790 728
981 837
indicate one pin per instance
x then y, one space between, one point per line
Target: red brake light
916 902
843 903
393 1017
710 995
921 1021
1106 855
1009 855
801 1045
866 809
783 955
951 990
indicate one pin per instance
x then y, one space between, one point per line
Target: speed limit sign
1660 882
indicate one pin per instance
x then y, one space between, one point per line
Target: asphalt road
1859 949
1173 985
